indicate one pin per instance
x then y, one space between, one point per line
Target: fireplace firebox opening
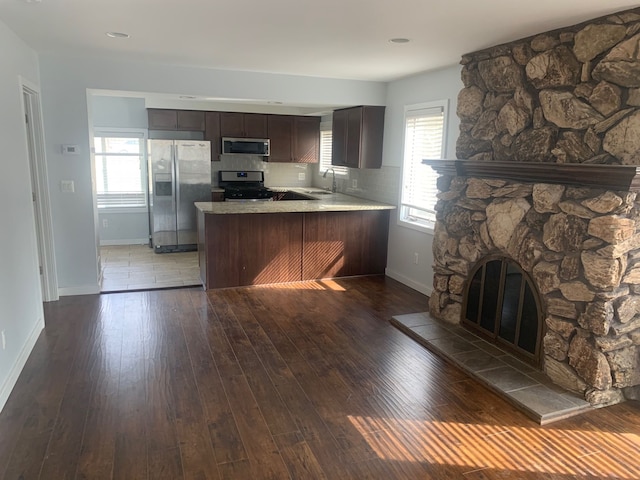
502 304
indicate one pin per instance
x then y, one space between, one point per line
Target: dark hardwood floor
304 381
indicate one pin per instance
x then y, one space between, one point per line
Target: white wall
65 81
405 242
21 313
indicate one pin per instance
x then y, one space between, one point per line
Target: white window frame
325 152
125 133
405 218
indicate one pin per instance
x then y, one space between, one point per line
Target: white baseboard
420 287
83 290
11 380
133 241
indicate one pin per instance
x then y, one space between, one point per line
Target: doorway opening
502 304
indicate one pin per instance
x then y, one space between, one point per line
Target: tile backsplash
380 185
275 174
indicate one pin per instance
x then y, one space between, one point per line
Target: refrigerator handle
176 179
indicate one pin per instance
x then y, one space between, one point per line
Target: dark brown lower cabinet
255 249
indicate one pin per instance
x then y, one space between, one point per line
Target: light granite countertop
323 202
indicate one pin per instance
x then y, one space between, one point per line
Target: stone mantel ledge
612 177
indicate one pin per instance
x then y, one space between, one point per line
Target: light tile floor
138 267
525 387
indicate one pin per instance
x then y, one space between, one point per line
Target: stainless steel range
244 186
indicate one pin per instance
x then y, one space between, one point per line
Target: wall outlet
301 176
415 258
4 340
105 223
354 183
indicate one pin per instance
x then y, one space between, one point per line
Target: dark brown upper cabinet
188 120
306 139
212 133
357 137
243 125
280 132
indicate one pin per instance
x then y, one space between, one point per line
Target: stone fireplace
550 134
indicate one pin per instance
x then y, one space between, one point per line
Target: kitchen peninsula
253 243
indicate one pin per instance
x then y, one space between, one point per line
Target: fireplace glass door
501 303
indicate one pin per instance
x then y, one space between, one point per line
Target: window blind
424 139
326 141
120 176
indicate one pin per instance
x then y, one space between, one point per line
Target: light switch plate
67 186
301 176
70 149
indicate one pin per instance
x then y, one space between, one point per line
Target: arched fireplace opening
502 304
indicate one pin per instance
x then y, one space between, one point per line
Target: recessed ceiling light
274 103
188 97
399 40
117 35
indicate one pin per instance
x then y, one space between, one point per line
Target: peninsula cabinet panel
338 244
251 249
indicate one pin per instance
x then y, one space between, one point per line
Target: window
424 139
325 150
120 170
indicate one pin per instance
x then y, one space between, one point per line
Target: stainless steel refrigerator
179 175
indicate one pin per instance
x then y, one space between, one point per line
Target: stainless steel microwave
245 146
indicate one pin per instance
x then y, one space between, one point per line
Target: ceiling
347 39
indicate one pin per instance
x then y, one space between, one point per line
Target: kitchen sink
291 195
318 192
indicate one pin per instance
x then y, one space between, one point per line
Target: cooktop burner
244 185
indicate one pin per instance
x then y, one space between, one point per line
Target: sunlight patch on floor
519 449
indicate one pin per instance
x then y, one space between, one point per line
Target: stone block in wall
562 308
571 149
501 74
621 65
609 344
597 317
554 68
590 364
452 313
546 197
627 307
502 218
564 233
469 106
595 39
606 98
565 110
604 398
555 346
545 276
601 272
570 267
624 364
623 141
565 328
605 203
571 207
629 327
576 291
534 145
564 375
611 228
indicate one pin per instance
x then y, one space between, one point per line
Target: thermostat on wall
70 150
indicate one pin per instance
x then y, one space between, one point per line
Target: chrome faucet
334 187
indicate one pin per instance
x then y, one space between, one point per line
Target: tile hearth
522 385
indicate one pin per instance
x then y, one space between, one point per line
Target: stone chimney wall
567 96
